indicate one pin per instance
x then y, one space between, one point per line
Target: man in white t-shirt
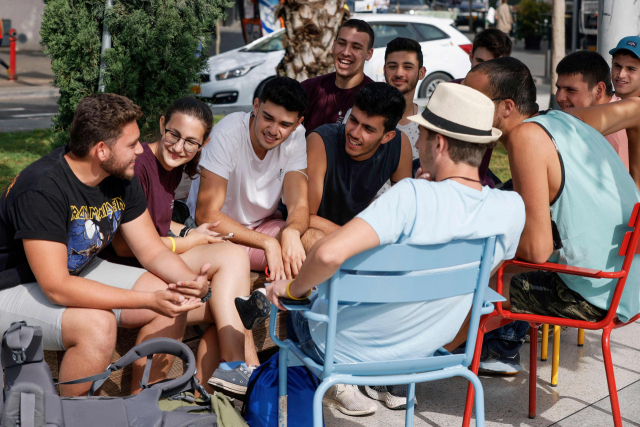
253 160
455 131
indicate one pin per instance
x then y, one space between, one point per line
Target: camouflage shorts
544 293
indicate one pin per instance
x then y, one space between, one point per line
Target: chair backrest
628 249
402 273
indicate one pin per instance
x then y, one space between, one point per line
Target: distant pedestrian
504 18
4 64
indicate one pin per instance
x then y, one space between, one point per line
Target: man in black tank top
349 163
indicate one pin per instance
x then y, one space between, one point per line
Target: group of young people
312 176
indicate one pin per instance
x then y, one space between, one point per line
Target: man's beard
411 86
115 168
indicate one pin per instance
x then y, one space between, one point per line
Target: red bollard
13 37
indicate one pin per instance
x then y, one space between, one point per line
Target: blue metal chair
379 275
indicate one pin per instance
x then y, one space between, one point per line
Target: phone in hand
226 236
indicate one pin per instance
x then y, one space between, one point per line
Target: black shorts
546 294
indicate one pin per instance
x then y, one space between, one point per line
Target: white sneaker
395 397
349 400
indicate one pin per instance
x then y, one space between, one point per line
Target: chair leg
533 370
544 349
475 384
468 409
611 379
282 388
580 337
555 362
411 397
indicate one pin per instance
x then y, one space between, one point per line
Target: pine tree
154 57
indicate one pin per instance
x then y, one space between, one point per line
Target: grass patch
500 163
19 149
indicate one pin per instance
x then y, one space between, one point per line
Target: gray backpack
29 398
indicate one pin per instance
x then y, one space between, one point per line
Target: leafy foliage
154 57
531 16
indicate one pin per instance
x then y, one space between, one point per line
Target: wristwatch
185 231
207 297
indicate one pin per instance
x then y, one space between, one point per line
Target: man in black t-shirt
349 163
57 215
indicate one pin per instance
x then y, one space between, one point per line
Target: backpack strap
97 379
18 339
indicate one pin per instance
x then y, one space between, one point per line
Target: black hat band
445 124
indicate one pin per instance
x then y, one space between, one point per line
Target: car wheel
260 87
430 82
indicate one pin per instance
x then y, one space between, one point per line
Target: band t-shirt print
48 202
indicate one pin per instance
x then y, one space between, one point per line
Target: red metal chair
500 317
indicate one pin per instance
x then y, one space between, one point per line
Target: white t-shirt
420 212
254 186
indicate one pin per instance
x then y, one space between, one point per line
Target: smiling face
188 131
402 70
364 134
350 51
574 92
123 152
272 124
625 73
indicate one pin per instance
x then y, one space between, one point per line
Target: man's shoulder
43 174
316 81
230 130
329 132
231 122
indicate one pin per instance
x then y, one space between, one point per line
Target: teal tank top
592 210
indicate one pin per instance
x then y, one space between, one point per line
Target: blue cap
631 43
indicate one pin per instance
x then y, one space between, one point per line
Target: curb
39 92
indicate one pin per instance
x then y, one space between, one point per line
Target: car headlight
236 72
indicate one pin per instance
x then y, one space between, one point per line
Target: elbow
329 257
535 255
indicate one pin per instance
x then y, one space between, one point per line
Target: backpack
29 397
260 407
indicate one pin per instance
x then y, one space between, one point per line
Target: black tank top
350 185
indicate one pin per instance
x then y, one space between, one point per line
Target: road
26 113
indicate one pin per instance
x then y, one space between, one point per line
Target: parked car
237 77
408 6
478 14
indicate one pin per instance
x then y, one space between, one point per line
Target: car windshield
409 2
269 44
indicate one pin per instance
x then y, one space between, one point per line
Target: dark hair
462 151
287 93
590 65
401 44
192 107
625 52
495 41
100 117
360 26
381 99
510 79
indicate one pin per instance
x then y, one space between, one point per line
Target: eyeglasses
499 99
174 137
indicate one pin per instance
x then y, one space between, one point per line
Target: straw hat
459 112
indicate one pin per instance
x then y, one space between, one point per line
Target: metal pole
106 44
558 45
471 29
574 25
616 19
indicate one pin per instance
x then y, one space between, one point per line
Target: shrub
154 57
530 18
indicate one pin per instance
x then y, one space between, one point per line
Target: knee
96 330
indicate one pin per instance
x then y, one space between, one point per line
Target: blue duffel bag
260 408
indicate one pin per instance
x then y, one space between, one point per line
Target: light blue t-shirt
420 212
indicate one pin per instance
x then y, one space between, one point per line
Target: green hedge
153 59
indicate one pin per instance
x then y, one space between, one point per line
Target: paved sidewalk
34 76
580 399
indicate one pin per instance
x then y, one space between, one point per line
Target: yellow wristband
294 298
173 243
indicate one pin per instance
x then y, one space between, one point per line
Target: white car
238 76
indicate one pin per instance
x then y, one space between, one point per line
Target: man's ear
388 137
601 90
300 120
101 151
422 73
471 57
509 107
369 54
441 144
256 105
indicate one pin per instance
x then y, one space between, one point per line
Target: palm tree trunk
311 27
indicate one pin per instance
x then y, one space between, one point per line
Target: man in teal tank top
577 194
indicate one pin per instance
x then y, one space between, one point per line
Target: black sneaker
233 381
499 364
253 309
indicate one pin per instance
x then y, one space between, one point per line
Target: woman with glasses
184 130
